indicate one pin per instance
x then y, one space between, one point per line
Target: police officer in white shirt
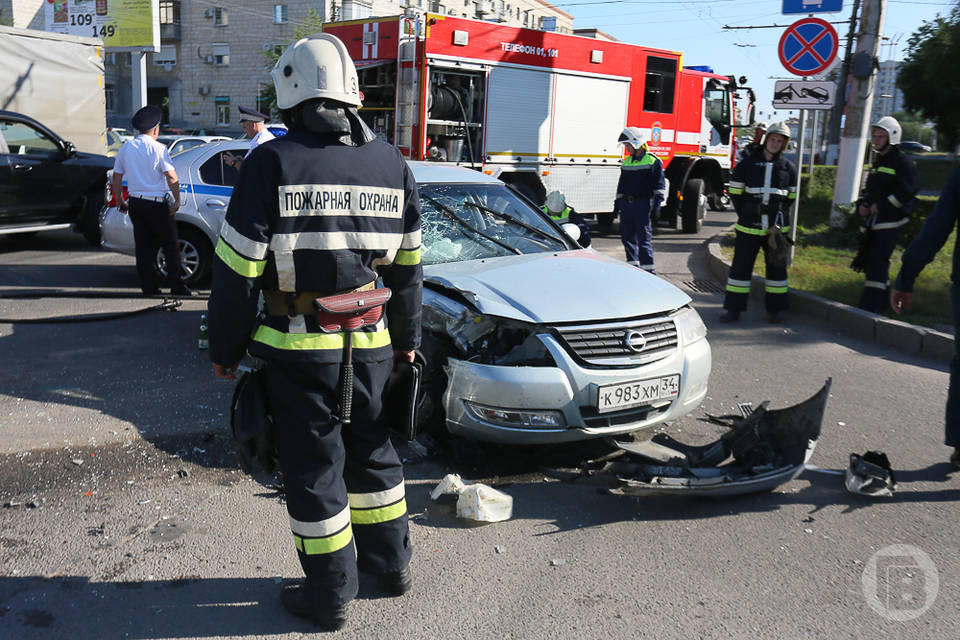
149 175
254 125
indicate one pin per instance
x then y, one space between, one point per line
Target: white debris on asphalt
475 501
557 562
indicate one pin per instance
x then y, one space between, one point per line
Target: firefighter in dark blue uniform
889 196
560 212
640 193
942 221
324 210
762 188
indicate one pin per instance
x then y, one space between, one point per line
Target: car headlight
518 418
690 326
482 338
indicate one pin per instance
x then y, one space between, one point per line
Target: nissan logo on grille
634 340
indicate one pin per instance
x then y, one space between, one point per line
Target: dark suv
45 183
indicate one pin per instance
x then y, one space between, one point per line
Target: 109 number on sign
624 395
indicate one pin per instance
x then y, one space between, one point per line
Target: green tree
926 77
915 127
312 23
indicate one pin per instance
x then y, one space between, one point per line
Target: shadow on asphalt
182 608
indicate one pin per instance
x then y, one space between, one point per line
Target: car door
215 185
38 187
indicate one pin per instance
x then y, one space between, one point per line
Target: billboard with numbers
121 24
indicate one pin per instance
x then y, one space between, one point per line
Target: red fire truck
543 110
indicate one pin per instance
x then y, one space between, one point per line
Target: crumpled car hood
547 288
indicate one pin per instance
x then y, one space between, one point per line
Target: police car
527 338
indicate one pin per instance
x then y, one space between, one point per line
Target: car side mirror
69 149
571 230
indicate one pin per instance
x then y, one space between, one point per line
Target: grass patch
822 267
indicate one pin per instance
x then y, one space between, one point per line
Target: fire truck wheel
694 206
604 220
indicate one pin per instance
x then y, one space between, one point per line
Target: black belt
280 303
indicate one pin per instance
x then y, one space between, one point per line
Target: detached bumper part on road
768 448
541 405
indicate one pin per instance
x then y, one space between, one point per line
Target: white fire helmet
632 136
779 128
317 66
556 202
891 126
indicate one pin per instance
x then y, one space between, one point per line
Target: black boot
397 583
955 458
730 316
297 601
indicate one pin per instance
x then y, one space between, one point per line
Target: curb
862 324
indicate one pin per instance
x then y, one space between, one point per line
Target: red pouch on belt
350 311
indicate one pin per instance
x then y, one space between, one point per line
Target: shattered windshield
470 221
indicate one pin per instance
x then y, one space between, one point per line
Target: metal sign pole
796 201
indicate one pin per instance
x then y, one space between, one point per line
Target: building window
108 95
169 12
166 56
223 110
279 14
220 17
353 10
221 55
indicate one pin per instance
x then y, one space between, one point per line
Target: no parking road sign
808 46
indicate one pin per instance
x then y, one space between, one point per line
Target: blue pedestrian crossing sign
808 46
812 6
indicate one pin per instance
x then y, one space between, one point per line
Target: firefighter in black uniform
884 207
324 210
756 144
762 188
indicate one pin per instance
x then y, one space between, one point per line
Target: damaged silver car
528 338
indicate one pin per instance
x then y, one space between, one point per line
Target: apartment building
887 98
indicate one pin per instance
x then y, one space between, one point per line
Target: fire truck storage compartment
454 108
378 87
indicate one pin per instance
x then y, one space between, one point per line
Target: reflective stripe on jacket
761 190
309 214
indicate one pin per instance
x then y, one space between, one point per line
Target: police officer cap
147 118
253 115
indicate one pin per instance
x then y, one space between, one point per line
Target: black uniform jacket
892 185
755 180
309 214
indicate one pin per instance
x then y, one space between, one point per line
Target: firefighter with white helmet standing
640 194
884 207
763 187
560 212
326 210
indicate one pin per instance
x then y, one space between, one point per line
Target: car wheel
694 206
196 256
90 224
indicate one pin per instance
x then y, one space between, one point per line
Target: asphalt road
123 516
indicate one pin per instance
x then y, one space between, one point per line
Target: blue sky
694 27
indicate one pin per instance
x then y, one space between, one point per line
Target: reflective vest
642 177
560 218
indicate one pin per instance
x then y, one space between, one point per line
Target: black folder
401 399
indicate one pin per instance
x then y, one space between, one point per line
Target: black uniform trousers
322 461
155 228
876 287
745 251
